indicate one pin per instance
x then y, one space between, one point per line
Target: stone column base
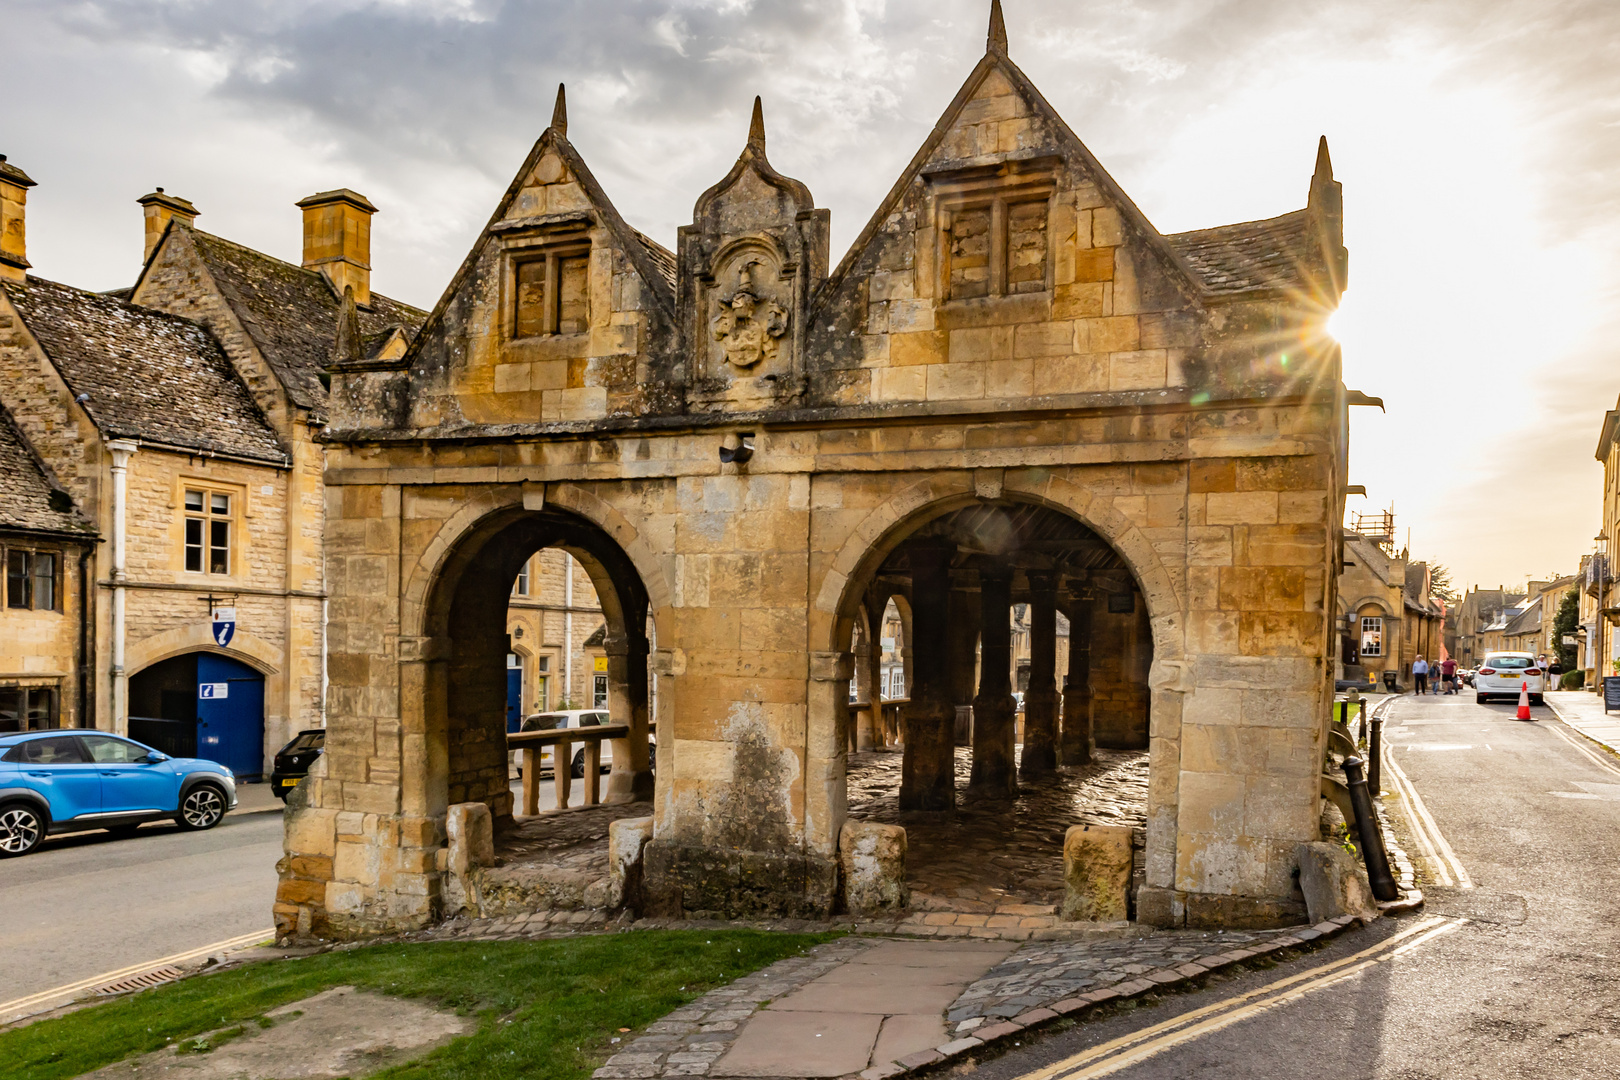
1168 908
688 881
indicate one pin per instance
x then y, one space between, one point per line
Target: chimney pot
160 210
14 185
337 240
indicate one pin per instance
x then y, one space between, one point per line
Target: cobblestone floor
988 855
1042 972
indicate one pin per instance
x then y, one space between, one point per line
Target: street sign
213 691
1571 639
224 627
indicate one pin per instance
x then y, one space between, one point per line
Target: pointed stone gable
560 313
1006 266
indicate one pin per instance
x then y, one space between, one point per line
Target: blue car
70 781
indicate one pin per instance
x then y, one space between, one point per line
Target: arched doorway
467 609
201 704
1029 706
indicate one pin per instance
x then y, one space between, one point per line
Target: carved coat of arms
748 326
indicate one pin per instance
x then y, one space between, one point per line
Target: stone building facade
1012 389
551 623
180 416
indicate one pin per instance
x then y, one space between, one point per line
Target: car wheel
202 808
1535 699
124 832
578 771
21 830
1479 699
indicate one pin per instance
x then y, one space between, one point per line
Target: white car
1505 674
569 718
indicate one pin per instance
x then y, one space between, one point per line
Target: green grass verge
546 1009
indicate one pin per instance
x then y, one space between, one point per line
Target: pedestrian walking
1420 674
1448 671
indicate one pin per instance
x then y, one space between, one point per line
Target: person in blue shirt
1420 674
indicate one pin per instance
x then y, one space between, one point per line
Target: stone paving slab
1037 984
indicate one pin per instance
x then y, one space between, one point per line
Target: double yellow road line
1128 1050
61 995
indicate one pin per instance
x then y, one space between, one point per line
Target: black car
293 761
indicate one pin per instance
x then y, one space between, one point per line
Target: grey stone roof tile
30 498
292 313
1269 254
149 375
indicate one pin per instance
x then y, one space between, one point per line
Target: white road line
33 1002
1140 1045
1447 859
1577 740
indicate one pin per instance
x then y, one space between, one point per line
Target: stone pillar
964 642
928 771
1041 697
868 672
994 711
631 779
1075 744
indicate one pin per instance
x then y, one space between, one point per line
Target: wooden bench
562 772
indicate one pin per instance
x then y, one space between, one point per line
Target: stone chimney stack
160 210
337 240
14 185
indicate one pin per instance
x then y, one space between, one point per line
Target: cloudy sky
1478 142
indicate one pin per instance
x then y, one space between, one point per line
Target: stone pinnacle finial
997 40
559 115
1324 163
756 126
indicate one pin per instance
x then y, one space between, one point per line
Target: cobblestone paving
570 837
1043 972
991 854
691 1039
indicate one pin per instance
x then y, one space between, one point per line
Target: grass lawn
546 1009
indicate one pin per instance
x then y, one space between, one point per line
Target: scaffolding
1378 526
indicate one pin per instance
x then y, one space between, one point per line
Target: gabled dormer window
552 292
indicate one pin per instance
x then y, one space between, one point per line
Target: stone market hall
1012 390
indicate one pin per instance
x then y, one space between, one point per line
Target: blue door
230 714
58 769
514 698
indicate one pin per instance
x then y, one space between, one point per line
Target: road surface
86 903
1521 977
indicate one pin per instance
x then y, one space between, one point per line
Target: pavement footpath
1584 712
878 1007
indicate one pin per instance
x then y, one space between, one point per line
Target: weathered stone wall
39 648
973 349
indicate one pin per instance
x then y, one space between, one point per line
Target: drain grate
146 979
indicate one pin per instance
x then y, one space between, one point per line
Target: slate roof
1527 621
663 259
1269 254
149 375
30 499
291 313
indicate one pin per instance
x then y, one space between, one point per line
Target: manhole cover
146 979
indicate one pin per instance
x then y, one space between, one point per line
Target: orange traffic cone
1524 701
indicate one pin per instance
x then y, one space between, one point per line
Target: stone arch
462 622
585 504
1368 601
253 651
888 524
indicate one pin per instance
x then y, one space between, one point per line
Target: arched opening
516 606
1028 707
201 704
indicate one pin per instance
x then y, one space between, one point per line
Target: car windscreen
545 722
309 740
1509 663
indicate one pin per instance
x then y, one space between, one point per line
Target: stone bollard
872 864
1333 882
1096 873
471 833
627 841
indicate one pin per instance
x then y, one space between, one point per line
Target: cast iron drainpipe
1372 840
